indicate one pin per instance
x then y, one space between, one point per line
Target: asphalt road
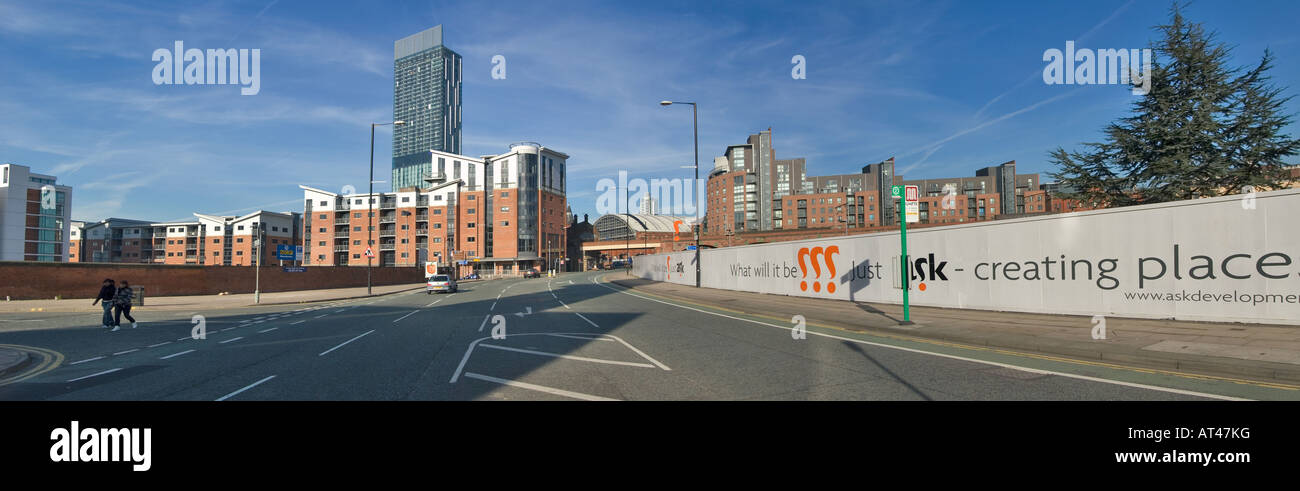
569 337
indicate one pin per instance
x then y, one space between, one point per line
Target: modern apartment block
209 240
750 190
426 97
496 214
34 216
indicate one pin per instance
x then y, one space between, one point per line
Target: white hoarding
1211 259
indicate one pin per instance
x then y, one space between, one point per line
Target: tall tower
426 95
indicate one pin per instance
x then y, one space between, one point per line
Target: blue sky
945 87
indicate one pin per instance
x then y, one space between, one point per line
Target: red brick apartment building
209 240
496 214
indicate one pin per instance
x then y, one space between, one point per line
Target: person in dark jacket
122 306
106 295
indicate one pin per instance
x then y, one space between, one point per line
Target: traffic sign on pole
369 253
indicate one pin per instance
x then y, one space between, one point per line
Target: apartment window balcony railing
387 247
421 231
388 219
340 248
388 203
341 221
343 234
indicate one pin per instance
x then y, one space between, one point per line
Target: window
470 197
470 225
356 256
505 194
469 211
322 230
505 208
437 212
356 215
469 239
237 253
505 224
356 242
240 240
322 217
216 241
356 229
241 227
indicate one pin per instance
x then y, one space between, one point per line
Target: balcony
344 234
387 247
421 231
387 203
388 219
341 221
387 231
340 248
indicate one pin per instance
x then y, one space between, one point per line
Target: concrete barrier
1226 259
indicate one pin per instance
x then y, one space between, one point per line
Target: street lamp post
370 208
695 124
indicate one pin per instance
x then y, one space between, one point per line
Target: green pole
902 220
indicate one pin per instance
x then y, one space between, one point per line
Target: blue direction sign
295 269
285 252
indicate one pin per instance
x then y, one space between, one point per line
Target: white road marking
267 330
494 305
132 350
562 303
173 355
435 302
345 342
567 357
485 319
86 360
111 370
254 384
322 315
944 355
299 322
405 316
229 328
593 324
539 388
159 344
470 350
231 340
584 338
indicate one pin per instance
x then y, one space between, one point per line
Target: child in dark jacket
122 306
106 295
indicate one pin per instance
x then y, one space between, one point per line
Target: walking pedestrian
106 295
122 306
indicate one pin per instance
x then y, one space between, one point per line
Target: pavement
1255 351
573 337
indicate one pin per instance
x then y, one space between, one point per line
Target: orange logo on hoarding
431 269
813 254
676 223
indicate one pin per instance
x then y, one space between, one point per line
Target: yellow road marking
50 360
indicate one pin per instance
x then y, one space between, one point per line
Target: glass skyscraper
426 95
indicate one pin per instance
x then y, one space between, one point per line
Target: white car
440 283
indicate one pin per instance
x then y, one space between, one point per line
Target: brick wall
31 280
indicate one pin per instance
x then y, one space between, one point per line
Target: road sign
284 252
912 208
896 192
690 247
295 269
297 252
369 253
